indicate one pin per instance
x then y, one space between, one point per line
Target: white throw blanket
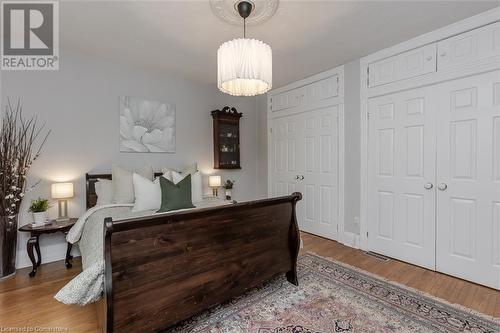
88 232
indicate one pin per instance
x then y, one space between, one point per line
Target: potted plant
228 186
39 209
21 140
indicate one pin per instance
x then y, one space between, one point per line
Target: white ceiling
307 37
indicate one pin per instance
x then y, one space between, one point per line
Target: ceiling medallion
227 10
244 65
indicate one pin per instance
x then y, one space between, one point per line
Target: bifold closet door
320 175
468 177
401 176
287 163
304 157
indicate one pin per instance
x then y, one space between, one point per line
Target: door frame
477 21
336 101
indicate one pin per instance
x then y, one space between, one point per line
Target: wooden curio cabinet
226 123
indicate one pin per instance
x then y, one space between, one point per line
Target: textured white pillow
147 193
196 184
123 185
104 191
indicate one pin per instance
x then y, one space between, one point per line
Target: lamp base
215 192
62 207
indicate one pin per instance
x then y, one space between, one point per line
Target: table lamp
214 182
62 192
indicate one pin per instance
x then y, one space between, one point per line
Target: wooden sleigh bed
162 269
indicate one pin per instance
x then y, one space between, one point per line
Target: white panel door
401 177
468 177
471 46
403 66
287 163
320 174
286 152
304 152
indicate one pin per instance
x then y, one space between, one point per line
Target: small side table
33 242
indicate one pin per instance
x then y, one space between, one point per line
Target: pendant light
244 65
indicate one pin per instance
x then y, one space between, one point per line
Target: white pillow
196 184
147 193
104 191
123 185
189 170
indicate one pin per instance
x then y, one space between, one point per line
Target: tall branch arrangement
21 140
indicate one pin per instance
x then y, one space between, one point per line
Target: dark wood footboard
163 269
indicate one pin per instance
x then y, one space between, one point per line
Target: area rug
334 297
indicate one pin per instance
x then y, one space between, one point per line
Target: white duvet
88 233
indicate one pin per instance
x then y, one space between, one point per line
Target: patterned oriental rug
334 297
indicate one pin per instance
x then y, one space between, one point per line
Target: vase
228 194
8 246
40 218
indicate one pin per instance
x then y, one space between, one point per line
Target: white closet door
304 152
286 151
320 175
468 213
401 177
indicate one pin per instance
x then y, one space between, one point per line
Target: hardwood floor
29 302
451 289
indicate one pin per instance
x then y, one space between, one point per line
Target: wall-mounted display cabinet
226 127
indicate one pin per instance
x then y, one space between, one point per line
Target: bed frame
163 269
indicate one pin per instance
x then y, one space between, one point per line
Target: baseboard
350 239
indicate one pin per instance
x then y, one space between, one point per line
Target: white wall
261 111
352 147
79 103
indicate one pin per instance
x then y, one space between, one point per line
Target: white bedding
88 233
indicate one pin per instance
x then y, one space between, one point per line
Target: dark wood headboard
91 180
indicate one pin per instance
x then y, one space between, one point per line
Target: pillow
189 170
104 192
175 196
196 184
147 193
123 185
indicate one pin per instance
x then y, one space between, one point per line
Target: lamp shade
214 181
244 67
62 190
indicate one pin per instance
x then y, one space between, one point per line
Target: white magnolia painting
146 126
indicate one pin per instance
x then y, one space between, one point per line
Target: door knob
443 54
302 177
297 177
428 186
442 186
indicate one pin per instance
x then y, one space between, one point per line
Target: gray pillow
123 184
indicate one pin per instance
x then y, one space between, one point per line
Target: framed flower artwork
146 126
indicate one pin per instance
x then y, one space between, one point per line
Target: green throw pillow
175 196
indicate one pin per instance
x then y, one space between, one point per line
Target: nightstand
33 242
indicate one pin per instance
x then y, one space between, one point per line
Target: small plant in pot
228 186
39 209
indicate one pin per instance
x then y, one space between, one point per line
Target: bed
177 264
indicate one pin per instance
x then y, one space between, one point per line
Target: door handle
442 186
428 186
297 177
302 177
